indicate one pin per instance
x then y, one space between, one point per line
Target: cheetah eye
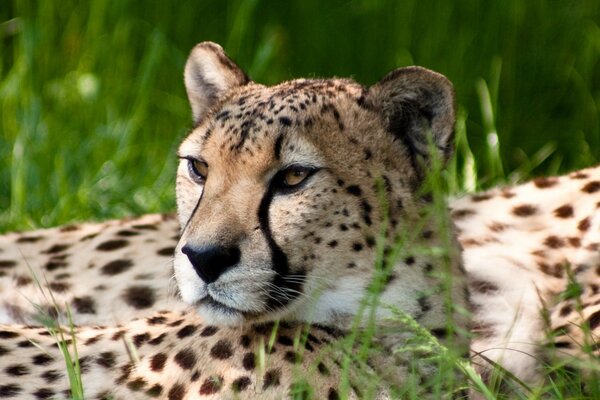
292 177
197 169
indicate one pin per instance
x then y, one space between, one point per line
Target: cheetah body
302 252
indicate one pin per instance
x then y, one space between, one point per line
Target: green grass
92 104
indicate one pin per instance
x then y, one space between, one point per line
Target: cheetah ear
415 103
209 73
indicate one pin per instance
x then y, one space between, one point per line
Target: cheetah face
277 186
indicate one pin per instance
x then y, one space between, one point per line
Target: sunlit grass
92 104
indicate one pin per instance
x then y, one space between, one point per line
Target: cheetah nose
210 262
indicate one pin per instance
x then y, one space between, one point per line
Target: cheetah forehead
264 122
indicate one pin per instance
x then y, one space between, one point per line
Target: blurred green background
92 104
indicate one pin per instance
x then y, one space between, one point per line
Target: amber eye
294 177
198 169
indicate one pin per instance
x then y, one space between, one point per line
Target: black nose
211 261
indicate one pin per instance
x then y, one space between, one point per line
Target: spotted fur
523 247
246 250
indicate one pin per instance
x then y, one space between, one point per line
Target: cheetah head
277 187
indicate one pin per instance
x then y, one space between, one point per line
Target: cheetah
287 196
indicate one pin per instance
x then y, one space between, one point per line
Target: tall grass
92 104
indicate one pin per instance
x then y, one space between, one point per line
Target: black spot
462 213
544 183
156 320
245 341
566 310
10 390
59 287
57 248
584 224
332 244
594 320
157 362
44 393
591 187
221 350
440 333
84 305
69 228
187 330
424 304
111 245
116 267
140 339
55 264
29 239
271 378
565 211
136 384
211 385
284 340
127 233
356 246
186 358
51 376
195 376
139 297
166 251
117 335
323 370
554 242
16 370
354 190
25 344
240 384
176 392
89 237
209 331
145 227
292 357
155 390
106 359
562 345
7 263
333 394
3 350
42 359
525 210
248 362
285 121
158 340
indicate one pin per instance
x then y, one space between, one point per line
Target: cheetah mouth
216 305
